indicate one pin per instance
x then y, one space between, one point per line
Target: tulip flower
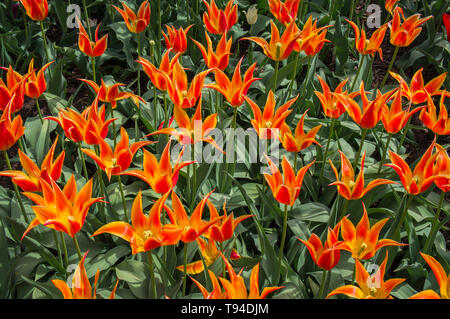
180 93
161 177
267 123
369 46
111 94
145 232
422 177
370 286
13 90
446 19
81 287
390 4
301 140
441 277
418 92
220 21
210 254
311 39
191 227
37 10
394 119
440 124
331 105
284 12
88 47
63 210
234 90
176 39
252 15
278 48
285 189
347 186
220 58
10 131
224 229
194 130
35 84
326 256
362 240
114 163
135 23
403 34
216 292
30 180
442 167
160 77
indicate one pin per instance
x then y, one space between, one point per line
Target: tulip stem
294 74
111 112
86 17
77 247
434 226
83 161
275 76
166 113
306 83
223 262
45 41
58 249
27 32
325 155
185 268
63 243
358 72
344 209
322 284
94 75
16 190
138 36
158 43
405 130
361 144
250 53
400 219
384 152
39 111
283 238
124 204
394 56
102 186
152 273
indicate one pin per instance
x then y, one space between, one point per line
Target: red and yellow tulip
220 58
438 124
390 4
442 167
36 9
12 91
311 39
347 186
35 85
91 48
441 277
10 131
210 254
135 23
160 77
403 34
284 12
176 39
220 21
331 105
369 46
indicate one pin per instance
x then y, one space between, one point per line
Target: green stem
77 247
358 72
66 256
434 226
333 122
250 53
185 268
39 111
294 74
363 138
45 41
402 218
275 76
306 83
389 68
344 209
111 112
158 42
86 17
124 204
405 130
138 36
283 238
94 75
58 249
384 152
152 273
322 284
102 186
83 161
25 23
16 190
354 273
223 262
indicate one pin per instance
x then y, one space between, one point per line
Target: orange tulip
81 287
403 34
395 119
160 176
372 45
114 163
362 240
441 277
63 210
220 58
13 90
285 190
111 94
161 77
331 105
311 39
30 180
370 286
347 186
422 177
35 84
90 126
390 4
325 256
210 254
216 292
146 232
267 123
10 131
36 9
191 227
220 21
88 47
176 39
191 131
440 124
234 90
224 229
418 92
278 48
180 93
301 140
284 12
442 167
135 23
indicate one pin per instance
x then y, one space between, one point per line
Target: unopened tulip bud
252 15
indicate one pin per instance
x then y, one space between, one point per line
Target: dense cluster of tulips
107 150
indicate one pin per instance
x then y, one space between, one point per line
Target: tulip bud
252 15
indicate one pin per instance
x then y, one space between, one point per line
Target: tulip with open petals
403 34
210 254
13 91
10 131
331 105
81 287
284 12
390 4
347 186
441 277
35 85
369 286
176 39
160 77
91 48
439 124
442 167
220 58
369 46
36 9
311 39
135 23
220 21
